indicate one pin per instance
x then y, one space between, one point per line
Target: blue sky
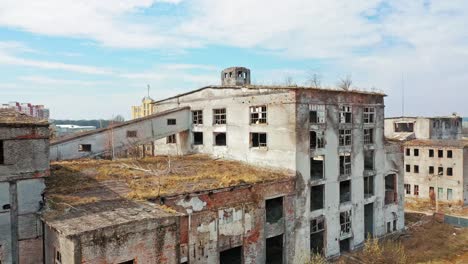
93 59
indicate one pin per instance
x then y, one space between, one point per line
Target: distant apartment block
145 109
38 111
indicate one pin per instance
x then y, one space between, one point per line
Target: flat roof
437 143
13 117
279 87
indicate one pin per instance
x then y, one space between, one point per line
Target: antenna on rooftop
402 96
148 86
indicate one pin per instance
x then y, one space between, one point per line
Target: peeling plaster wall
429 128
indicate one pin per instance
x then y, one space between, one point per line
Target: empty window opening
346 115
440 171
441 153
369 220
274 210
408 168
416 190
368 186
84 147
369 136
345 164
316 140
345 245
225 75
345 223
317 235
132 134
345 137
2 153
128 262
171 139
431 169
230 74
317 167
390 189
345 191
239 74
449 194
198 138
317 196
58 257
408 188
416 168
408 152
274 250
6 207
220 139
219 116
369 160
404 127
449 171
171 122
197 117
416 152
431 153
317 114
449 154
394 225
389 227
369 115
258 140
231 256
258 114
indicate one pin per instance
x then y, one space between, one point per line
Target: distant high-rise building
146 108
38 111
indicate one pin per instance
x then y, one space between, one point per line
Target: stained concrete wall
148 129
429 128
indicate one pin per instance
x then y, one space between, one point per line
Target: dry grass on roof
156 176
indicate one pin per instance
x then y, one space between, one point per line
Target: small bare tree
345 83
314 79
289 81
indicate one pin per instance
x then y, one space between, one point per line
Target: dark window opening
258 114
171 139
2 153
416 168
197 117
394 225
369 160
431 169
128 262
316 140
6 207
416 152
431 153
408 168
449 154
345 164
408 188
449 171
440 171
58 257
441 153
198 138
345 137
368 186
369 136
390 189
408 152
317 235
316 197
274 250
171 122
345 191
345 223
258 140
369 115
316 167
313 117
231 256
274 210
345 245
84 147
317 114
346 115
132 134
389 227
416 190
404 127
220 139
219 116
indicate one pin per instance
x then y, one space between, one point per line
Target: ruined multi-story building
348 183
407 128
24 162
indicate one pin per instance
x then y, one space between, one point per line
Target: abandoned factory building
236 173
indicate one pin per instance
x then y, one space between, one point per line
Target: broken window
431 153
345 245
416 168
219 116
369 136
449 171
404 127
317 114
440 171
369 160
316 140
316 167
345 137
197 117
274 250
368 186
449 194
58 257
171 122
345 223
316 197
198 138
231 256
171 139
258 140
132 134
2 153
431 169
345 164
408 152
390 189
408 188
346 115
84 147
416 190
345 191
441 153
416 152
274 210
317 232
408 168
258 114
220 139
449 154
369 115
389 227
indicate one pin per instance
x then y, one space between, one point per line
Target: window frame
345 137
219 116
259 139
369 116
345 114
261 116
171 121
197 117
